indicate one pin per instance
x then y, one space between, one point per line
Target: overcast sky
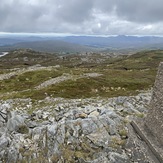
85 17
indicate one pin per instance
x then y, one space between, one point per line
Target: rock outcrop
60 130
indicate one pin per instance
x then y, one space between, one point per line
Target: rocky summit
74 108
69 130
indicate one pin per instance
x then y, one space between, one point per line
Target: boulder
94 114
118 158
16 123
4 142
100 137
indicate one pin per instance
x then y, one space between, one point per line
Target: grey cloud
105 5
75 11
143 11
82 16
17 17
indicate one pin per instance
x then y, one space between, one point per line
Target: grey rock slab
38 130
136 149
52 129
15 122
150 129
12 155
60 136
100 158
120 100
88 126
100 138
109 123
94 114
154 119
4 142
31 124
73 127
118 158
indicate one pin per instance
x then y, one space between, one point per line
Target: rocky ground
59 109
69 130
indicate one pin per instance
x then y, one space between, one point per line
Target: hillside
118 42
74 108
81 43
114 75
49 46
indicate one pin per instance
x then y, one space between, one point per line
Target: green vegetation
27 80
117 142
123 133
23 129
124 75
140 61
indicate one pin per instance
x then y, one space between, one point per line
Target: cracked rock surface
76 130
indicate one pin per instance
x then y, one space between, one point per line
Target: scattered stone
16 123
100 137
94 114
90 130
4 142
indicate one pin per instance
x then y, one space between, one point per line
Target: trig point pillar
150 129
154 118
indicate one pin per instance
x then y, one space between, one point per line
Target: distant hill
49 46
17 39
81 43
9 41
118 42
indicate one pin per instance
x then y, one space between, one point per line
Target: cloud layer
99 17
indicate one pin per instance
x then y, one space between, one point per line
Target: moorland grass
125 75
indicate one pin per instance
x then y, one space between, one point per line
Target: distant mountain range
81 43
49 46
119 42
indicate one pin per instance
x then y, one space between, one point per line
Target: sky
82 17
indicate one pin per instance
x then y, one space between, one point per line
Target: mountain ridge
81 43
49 46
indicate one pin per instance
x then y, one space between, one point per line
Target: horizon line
51 34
